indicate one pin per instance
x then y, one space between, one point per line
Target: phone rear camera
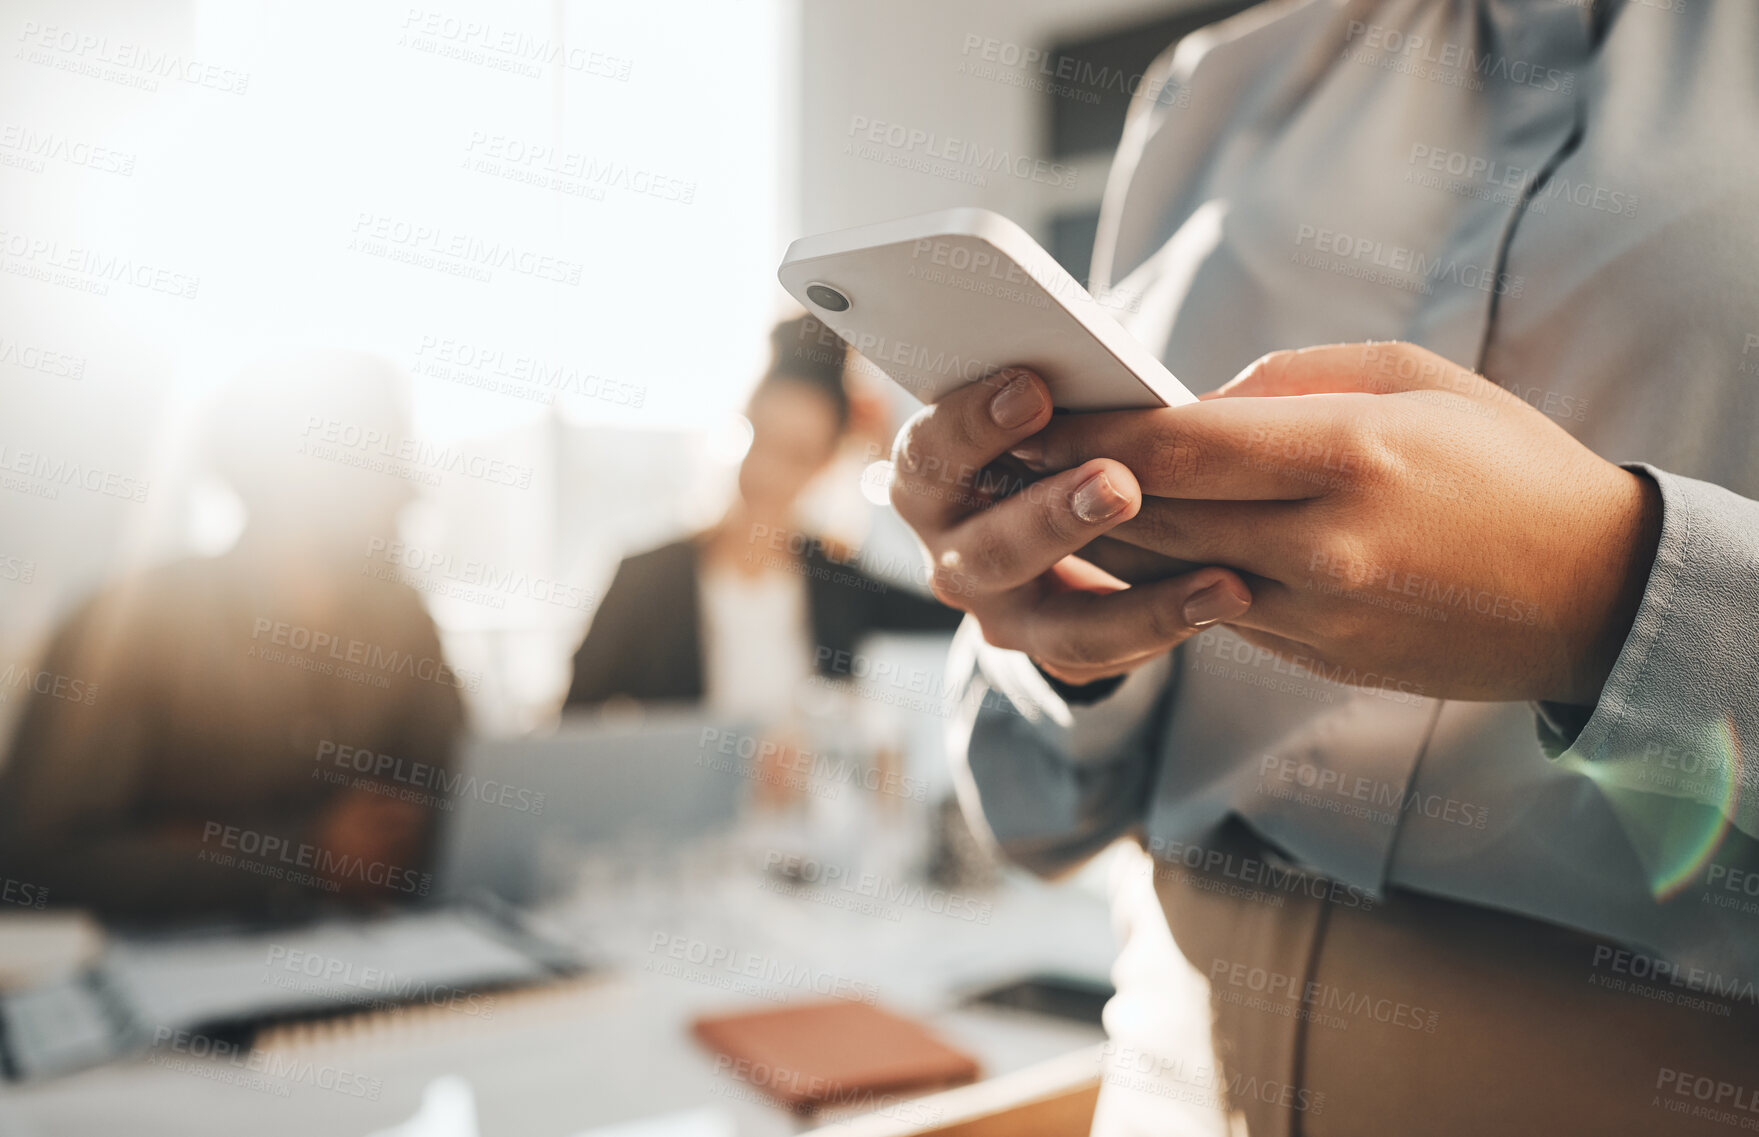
827 297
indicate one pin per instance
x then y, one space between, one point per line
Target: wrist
1622 561
1084 692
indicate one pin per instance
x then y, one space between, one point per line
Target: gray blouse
1565 197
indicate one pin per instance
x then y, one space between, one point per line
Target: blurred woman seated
270 730
738 617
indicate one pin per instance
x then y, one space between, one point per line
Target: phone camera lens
827 297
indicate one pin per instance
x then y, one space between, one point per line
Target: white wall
900 61
909 62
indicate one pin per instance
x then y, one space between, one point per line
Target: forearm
1678 706
1631 823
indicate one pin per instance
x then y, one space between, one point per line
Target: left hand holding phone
1005 552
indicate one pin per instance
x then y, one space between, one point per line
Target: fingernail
1097 499
1030 453
1220 601
1015 404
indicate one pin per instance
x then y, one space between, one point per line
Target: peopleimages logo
1178 1079
368 447
434 247
961 158
43 475
309 641
1656 971
766 977
87 269
809 878
1429 58
1409 268
281 856
382 989
1269 880
1056 73
29 149
427 776
430 570
21 677
217 1059
504 49
1230 648
751 756
1296 997
1383 801
23 893
1700 1095
519 374
132 64
48 362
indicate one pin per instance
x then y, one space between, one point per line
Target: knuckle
991 556
951 584
1275 364
1156 527
1165 623
1177 457
912 498
1076 651
1348 576
908 449
1375 462
1054 523
966 424
1271 368
1344 626
1342 559
898 492
909 491
1385 361
990 484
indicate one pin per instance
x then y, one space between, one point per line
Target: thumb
1082 636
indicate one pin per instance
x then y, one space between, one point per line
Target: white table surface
615 1045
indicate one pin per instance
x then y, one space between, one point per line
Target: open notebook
222 983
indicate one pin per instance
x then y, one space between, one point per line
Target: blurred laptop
529 808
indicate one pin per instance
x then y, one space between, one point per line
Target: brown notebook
833 1053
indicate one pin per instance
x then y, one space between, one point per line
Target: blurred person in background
740 615
269 730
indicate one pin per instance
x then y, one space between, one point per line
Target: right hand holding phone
1004 549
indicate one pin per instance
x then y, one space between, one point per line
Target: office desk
615 1045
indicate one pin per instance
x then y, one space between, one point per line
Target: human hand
1395 514
1002 548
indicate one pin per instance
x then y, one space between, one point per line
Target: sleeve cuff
1083 694
1098 723
1559 725
1672 713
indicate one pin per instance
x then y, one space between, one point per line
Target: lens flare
1676 804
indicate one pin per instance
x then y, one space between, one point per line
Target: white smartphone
948 298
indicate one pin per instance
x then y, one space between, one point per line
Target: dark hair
803 350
